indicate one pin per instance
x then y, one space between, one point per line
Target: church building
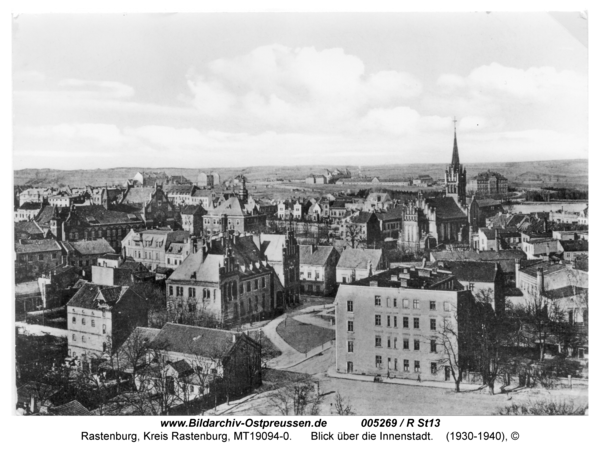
428 222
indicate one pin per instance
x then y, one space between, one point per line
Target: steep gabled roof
84 248
37 245
446 208
318 257
92 296
471 271
356 258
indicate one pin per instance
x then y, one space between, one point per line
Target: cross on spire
455 160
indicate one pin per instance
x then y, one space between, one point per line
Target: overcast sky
214 90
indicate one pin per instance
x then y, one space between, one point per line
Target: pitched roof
138 195
272 246
391 214
27 228
73 408
180 189
30 206
446 208
37 245
91 296
505 258
95 247
357 258
318 257
575 246
231 207
193 209
565 292
93 214
471 271
361 217
197 341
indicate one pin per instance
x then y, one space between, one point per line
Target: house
34 195
28 230
317 269
114 270
390 222
423 180
58 286
27 211
361 229
571 249
537 248
155 248
190 361
583 217
234 214
204 197
358 263
395 324
180 194
100 318
192 219
377 201
283 254
151 203
337 210
507 259
226 279
284 209
482 278
36 256
208 180
84 254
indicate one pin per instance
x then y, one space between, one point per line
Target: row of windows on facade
114 233
193 308
309 275
72 353
406 365
393 303
41 257
93 323
218 221
393 344
230 289
405 323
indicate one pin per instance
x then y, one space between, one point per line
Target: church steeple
455 160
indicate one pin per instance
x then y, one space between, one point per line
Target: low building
538 248
188 362
152 247
361 230
36 256
84 254
572 249
99 320
317 269
397 324
27 211
358 263
28 230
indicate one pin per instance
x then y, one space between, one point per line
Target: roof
30 206
37 246
471 271
391 214
138 195
446 208
95 296
27 288
27 228
318 257
95 247
565 292
489 234
73 408
231 207
488 202
575 246
180 189
339 204
192 209
181 367
414 278
272 246
197 341
97 214
361 217
505 258
357 258
548 268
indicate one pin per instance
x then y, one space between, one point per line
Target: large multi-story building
100 318
491 183
393 324
227 279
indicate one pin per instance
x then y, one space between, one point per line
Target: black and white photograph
375 214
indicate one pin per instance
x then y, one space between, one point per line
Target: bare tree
447 335
353 234
297 399
342 406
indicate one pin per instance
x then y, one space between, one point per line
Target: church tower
456 176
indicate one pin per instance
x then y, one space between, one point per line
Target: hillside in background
563 173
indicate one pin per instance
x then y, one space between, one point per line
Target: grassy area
302 336
269 351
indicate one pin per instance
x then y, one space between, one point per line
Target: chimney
540 280
233 338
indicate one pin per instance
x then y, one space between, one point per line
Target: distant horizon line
304 165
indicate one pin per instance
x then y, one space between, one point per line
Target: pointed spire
455 160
